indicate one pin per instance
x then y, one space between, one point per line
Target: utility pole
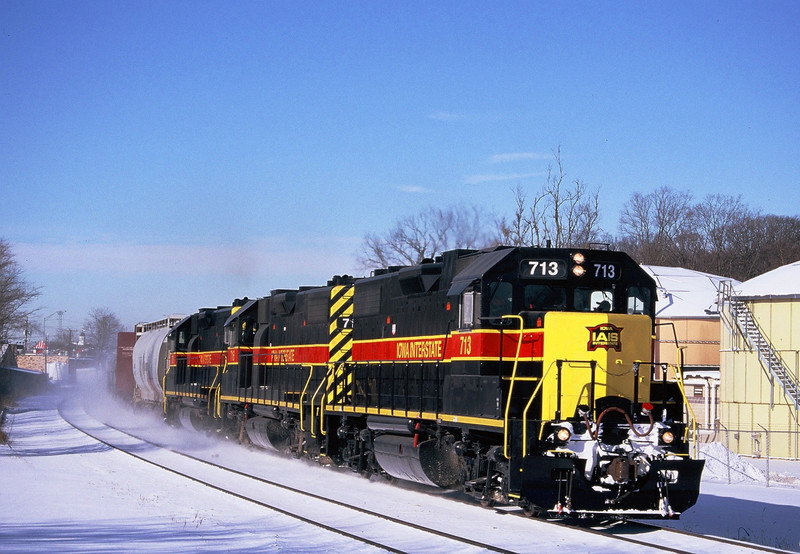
44 332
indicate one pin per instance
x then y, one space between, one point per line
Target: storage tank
150 363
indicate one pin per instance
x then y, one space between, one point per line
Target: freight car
150 360
523 375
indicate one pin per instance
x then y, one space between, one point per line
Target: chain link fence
738 454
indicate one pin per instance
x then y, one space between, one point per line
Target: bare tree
659 228
784 233
565 215
719 235
721 219
518 230
15 294
424 235
101 328
763 243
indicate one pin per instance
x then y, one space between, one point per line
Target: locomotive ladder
741 320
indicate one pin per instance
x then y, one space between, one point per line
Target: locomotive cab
197 361
572 332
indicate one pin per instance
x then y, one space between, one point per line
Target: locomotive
522 375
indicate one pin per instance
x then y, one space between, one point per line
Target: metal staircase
740 319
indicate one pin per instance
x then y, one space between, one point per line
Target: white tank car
150 363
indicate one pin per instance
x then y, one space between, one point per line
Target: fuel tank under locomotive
402 455
397 449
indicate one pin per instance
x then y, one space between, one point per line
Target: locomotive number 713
544 269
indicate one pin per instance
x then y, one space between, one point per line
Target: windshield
593 300
545 297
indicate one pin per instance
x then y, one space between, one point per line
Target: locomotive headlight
563 434
667 437
578 270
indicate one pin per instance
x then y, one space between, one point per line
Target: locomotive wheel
530 510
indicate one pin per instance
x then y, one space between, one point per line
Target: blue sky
156 157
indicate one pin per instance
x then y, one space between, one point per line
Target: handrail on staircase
742 320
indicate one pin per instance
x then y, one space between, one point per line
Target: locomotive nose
596 353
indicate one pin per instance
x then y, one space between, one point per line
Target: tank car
150 362
522 375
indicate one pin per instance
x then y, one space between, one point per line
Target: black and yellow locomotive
522 375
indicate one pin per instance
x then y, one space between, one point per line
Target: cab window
468 315
545 297
500 303
639 299
593 300
230 335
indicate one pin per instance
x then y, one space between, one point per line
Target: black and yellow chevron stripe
340 343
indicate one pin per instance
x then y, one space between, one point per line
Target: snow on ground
750 508
59 490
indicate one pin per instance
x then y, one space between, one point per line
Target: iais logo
606 336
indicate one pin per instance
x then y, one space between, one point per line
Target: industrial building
688 334
760 360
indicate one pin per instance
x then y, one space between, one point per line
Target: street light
44 331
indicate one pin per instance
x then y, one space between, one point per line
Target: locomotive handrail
303 393
527 407
679 379
511 385
558 364
322 400
218 402
390 361
164 387
211 405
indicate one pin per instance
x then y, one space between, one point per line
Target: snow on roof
783 281
685 292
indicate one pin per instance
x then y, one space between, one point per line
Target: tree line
19 319
718 234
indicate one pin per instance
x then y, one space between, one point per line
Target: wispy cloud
517 156
140 281
448 116
260 256
497 177
413 189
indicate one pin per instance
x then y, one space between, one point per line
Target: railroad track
361 525
373 527
671 540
